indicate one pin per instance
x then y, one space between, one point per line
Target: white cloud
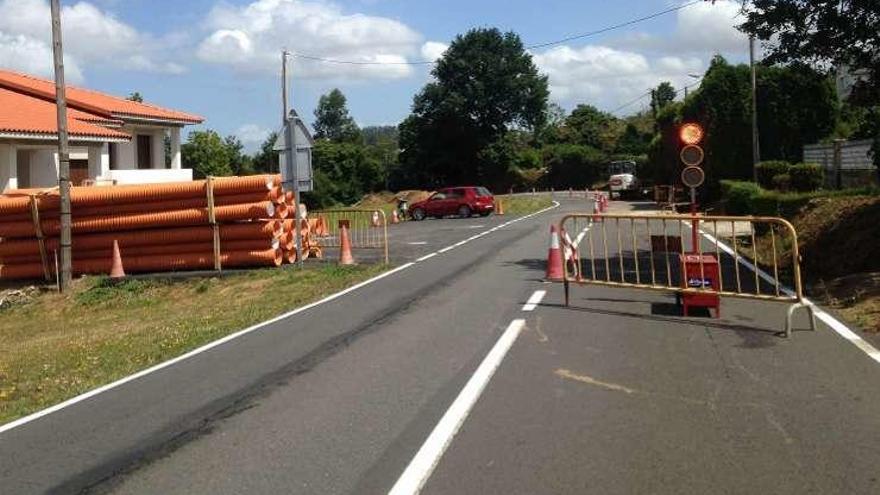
433 50
250 38
606 77
252 135
91 37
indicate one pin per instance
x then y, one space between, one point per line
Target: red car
461 201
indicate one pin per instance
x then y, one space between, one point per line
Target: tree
592 127
332 120
136 96
663 95
207 154
265 161
240 163
484 85
343 173
845 34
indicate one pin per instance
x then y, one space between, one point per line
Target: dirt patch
384 198
856 297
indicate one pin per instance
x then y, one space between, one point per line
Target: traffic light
691 135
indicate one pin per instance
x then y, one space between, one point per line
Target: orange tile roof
21 113
93 101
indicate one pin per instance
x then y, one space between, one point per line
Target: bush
806 177
766 171
738 196
782 182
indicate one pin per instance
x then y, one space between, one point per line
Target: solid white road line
240 333
534 301
829 320
417 243
422 465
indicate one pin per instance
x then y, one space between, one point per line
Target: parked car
462 201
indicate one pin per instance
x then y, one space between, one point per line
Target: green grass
523 204
55 347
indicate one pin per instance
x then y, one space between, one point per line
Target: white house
112 140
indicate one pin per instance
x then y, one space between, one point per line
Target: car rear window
482 191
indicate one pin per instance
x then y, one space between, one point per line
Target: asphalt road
615 394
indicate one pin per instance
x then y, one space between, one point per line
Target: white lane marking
196 351
422 465
122 381
580 237
829 320
417 243
447 248
534 301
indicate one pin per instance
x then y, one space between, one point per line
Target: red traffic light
691 133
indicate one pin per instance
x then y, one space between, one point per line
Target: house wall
43 168
126 158
8 167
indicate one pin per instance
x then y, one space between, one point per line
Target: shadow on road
753 337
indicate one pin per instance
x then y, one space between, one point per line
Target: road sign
303 156
693 176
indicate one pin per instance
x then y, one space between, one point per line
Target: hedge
806 177
766 171
747 198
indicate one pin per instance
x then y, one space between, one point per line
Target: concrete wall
152 176
126 156
856 164
43 168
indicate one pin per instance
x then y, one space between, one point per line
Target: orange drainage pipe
157 263
177 218
266 229
140 193
105 252
158 206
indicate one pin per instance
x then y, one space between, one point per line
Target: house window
113 154
144 151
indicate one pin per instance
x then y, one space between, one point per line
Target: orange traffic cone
395 219
345 257
554 257
499 207
116 269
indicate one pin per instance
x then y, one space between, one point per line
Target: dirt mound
376 200
839 236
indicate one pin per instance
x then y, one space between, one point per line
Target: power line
614 27
648 93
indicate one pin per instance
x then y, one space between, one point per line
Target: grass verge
54 347
523 204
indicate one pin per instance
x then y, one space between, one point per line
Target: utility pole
292 182
756 146
63 150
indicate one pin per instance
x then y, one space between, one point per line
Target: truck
622 180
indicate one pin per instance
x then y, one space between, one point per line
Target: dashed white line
534 301
422 465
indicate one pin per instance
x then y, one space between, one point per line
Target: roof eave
42 136
157 120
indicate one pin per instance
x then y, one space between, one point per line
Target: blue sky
220 58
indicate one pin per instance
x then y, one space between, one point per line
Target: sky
221 58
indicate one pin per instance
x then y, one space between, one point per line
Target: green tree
663 95
207 154
239 162
344 172
592 127
265 161
332 120
573 165
484 85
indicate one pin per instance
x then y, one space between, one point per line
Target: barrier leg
790 315
565 283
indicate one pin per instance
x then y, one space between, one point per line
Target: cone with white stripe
554 257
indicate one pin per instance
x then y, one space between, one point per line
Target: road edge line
233 336
429 454
838 326
534 300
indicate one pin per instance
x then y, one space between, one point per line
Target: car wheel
486 213
464 211
418 214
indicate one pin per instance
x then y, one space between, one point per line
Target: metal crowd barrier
688 255
367 229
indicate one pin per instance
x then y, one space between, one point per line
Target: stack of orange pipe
159 227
